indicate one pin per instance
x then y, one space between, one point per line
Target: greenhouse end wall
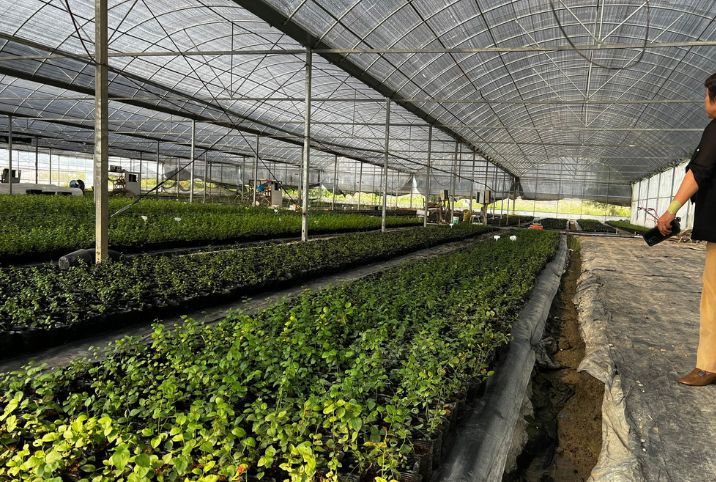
656 192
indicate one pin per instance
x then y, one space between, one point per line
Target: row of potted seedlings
43 227
44 305
359 381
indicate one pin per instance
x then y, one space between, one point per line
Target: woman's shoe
698 378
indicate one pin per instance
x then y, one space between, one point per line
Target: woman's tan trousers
706 353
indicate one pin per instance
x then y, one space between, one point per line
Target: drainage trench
561 427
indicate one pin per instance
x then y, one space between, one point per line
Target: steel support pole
101 128
206 177
559 189
609 180
141 164
472 184
191 169
50 167
360 183
427 176
37 159
306 146
493 190
256 172
648 190
452 183
412 181
238 179
385 164
157 173
335 181
673 179
9 154
534 195
243 177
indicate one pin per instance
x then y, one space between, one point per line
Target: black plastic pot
424 455
29 340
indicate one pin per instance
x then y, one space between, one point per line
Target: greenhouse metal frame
539 99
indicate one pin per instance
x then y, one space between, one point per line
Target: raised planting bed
504 220
356 382
44 227
553 223
41 306
594 226
628 227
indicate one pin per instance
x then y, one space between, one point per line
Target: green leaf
181 463
120 457
142 460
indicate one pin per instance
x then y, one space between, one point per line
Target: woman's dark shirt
703 165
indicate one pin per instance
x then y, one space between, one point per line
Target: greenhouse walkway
639 314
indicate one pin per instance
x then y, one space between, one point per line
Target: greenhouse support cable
77 31
630 64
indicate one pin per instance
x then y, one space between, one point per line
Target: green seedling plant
334 381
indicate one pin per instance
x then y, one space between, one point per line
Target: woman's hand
664 223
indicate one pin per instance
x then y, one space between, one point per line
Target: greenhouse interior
357 240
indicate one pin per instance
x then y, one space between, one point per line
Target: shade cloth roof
591 94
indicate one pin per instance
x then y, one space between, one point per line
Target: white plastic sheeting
656 192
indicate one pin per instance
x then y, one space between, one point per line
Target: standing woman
699 185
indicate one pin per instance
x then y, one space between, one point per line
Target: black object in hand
653 236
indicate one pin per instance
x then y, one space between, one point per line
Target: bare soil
565 434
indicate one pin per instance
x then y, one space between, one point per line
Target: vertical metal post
648 190
256 172
306 146
494 188
238 178
427 176
637 213
206 176
360 184
176 177
157 173
453 183
385 164
335 181
559 189
243 177
9 153
50 167
193 158
534 195
472 184
37 159
101 126
609 181
141 164
211 166
412 182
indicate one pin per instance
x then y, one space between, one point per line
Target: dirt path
565 431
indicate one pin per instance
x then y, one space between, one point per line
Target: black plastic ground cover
485 438
29 340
